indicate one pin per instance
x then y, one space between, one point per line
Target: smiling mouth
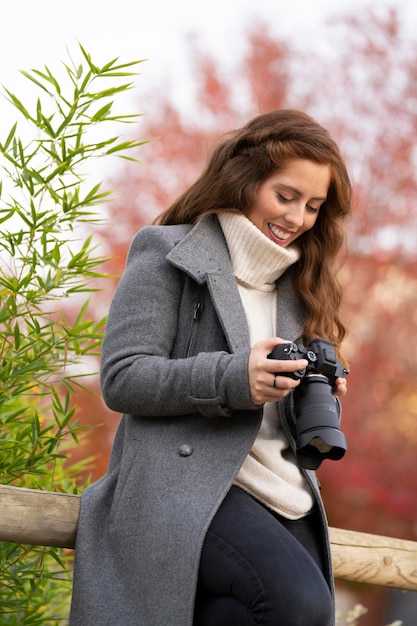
281 235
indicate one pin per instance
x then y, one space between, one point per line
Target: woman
205 517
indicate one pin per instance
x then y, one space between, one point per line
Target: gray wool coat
175 363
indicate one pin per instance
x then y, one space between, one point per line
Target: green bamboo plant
48 259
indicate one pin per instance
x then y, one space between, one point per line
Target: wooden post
43 518
374 559
38 518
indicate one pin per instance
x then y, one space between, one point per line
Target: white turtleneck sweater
269 473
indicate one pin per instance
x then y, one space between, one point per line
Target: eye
284 199
312 209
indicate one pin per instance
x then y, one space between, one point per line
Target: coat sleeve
137 374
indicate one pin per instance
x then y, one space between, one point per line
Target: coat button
185 450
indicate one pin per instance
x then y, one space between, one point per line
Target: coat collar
203 255
202 251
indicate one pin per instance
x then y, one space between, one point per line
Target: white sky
36 33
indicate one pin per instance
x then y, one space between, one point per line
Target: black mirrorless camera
318 436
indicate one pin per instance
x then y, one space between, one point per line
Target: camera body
318 436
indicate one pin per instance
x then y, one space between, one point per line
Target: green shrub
48 265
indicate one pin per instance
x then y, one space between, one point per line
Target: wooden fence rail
44 518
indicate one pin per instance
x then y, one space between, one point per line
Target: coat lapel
204 256
290 312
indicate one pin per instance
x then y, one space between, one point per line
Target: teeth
280 234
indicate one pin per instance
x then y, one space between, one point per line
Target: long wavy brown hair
247 157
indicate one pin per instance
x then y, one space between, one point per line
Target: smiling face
288 202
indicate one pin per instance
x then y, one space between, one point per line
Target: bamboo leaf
10 138
102 113
38 83
17 336
126 145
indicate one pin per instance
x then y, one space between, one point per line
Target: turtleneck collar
256 260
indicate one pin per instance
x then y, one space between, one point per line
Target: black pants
258 568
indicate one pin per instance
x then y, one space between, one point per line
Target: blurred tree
371 85
365 92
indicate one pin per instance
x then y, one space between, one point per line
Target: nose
295 215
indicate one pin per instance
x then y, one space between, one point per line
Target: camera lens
318 436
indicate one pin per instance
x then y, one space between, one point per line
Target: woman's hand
340 388
266 385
